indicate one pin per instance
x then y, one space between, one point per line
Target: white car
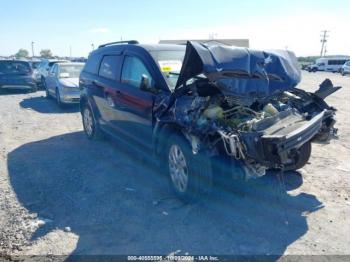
329 64
345 69
62 82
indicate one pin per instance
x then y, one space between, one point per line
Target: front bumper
70 96
274 150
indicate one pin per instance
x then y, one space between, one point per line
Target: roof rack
130 42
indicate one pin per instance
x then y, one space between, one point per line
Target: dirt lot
63 194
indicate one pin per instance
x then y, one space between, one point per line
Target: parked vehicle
345 68
199 105
44 68
330 64
62 82
16 74
34 64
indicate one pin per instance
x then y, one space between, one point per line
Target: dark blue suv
205 109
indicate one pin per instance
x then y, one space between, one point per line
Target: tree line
23 53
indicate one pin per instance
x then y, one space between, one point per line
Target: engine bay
220 124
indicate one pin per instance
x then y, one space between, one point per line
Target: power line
324 36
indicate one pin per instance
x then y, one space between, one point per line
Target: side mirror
145 85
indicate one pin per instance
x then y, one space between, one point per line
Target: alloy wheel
178 168
88 121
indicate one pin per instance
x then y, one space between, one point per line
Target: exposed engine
219 123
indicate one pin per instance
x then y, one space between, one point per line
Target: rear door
134 106
50 79
106 85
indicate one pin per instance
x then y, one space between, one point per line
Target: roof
16 60
230 42
70 63
144 47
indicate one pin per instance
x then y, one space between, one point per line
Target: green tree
22 53
46 53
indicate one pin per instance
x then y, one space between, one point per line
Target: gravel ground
61 194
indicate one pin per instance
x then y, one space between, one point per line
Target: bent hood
241 71
70 82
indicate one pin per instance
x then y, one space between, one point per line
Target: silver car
62 82
345 68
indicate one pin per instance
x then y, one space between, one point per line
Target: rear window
110 67
14 67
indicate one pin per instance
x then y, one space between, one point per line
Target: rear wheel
190 175
34 89
47 93
91 126
301 157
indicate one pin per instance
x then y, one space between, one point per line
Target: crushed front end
250 110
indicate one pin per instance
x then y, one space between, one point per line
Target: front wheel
302 156
58 98
190 174
91 126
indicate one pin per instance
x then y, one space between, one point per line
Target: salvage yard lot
63 194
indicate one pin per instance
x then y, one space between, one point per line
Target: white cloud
101 30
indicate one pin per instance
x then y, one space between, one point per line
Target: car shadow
118 203
45 105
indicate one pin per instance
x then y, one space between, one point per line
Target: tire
91 127
47 93
301 157
34 89
58 98
42 82
190 176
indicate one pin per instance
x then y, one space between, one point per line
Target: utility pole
324 36
32 49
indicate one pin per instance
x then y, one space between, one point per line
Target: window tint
92 64
14 67
110 67
336 62
133 69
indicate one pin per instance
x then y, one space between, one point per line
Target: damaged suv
201 107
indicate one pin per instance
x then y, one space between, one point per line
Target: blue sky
294 25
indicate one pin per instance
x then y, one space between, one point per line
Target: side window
92 64
53 69
110 67
56 70
133 69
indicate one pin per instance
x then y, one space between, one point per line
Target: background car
345 68
62 82
44 68
16 74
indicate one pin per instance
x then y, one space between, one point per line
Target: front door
133 105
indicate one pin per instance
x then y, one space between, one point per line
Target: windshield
170 63
70 71
14 67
